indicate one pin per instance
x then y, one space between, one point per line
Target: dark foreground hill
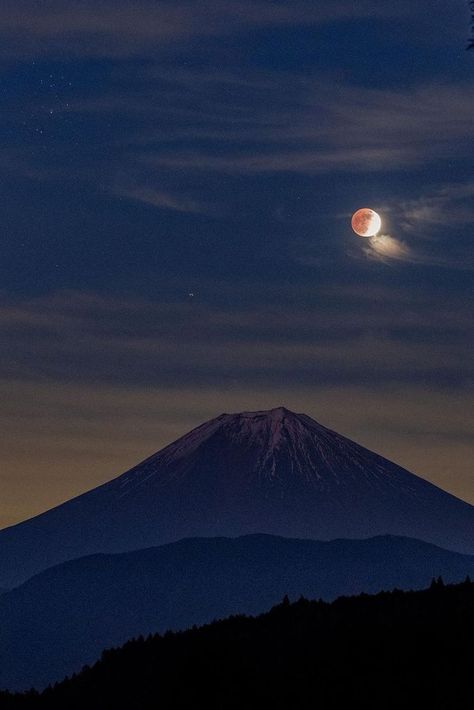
393 650
65 616
272 472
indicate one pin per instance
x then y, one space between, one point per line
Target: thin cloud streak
423 223
166 200
389 250
386 248
120 29
317 127
87 338
445 206
351 129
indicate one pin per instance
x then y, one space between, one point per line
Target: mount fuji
271 472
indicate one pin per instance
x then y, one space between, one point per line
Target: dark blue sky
177 180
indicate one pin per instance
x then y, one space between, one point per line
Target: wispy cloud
385 248
87 336
174 127
423 224
162 199
441 208
328 128
117 28
260 124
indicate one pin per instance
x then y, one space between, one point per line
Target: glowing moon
366 223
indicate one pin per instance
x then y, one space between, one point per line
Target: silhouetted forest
392 650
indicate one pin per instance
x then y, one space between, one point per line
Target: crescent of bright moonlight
366 222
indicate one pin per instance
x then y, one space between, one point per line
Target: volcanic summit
270 472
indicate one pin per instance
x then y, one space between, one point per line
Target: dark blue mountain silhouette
269 472
65 616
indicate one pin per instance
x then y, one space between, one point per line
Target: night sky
177 182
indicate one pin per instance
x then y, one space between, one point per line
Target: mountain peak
276 416
264 431
265 471
275 413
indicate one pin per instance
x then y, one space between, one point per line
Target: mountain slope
273 472
65 616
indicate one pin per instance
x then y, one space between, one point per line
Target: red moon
366 222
